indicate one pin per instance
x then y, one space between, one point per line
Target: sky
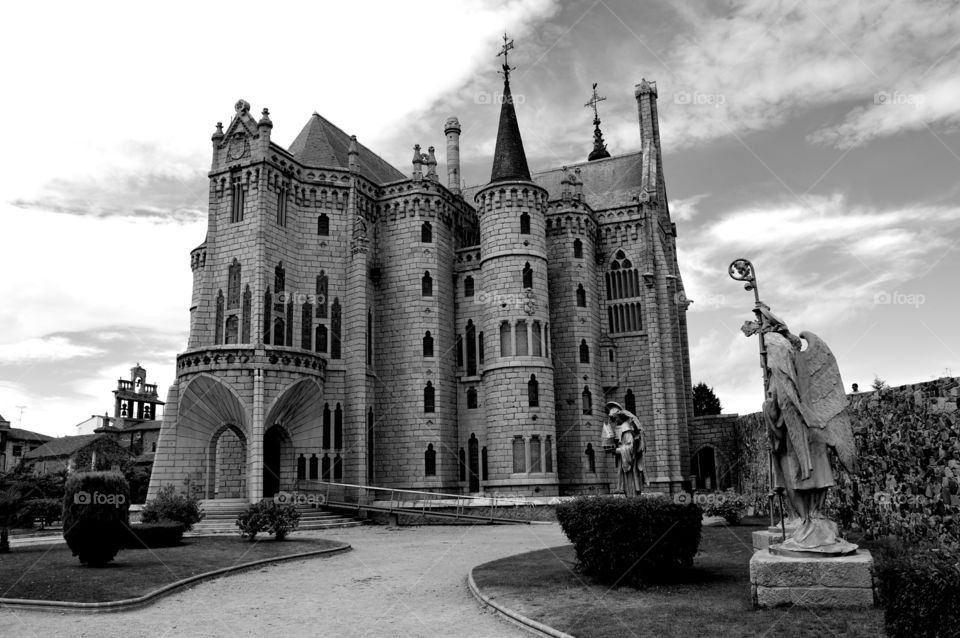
819 140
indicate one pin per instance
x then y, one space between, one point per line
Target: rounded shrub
633 540
172 507
268 516
95 516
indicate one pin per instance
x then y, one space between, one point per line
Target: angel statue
623 436
806 416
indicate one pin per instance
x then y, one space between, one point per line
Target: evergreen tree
704 400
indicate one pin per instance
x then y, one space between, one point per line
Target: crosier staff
742 270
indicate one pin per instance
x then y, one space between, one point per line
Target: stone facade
351 323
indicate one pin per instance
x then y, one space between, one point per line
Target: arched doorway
278 460
227 464
703 465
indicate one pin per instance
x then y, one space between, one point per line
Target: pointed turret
509 160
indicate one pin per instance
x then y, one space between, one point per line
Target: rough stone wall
505 254
571 326
231 466
405 316
719 433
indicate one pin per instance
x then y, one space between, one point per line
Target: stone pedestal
843 581
765 538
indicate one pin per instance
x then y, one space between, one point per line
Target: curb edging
153 596
530 625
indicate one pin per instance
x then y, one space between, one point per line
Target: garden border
534 627
150 597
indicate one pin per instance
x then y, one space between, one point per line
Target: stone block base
843 581
765 538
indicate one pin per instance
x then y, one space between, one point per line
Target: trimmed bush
268 516
172 507
920 591
634 540
730 505
95 516
148 535
48 510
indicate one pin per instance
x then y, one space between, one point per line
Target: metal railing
402 501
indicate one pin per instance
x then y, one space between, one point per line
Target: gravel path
406 581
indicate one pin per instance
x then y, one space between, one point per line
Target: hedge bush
48 510
95 516
919 589
730 505
632 540
149 535
268 516
173 507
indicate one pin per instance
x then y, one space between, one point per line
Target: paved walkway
406 581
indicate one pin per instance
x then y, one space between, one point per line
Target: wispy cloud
43 349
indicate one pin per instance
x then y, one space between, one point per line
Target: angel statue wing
822 395
784 387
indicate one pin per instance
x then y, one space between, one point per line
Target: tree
705 402
10 500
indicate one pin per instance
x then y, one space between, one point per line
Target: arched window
524 224
320 342
471 349
314 471
523 348
581 296
506 340
427 344
337 468
519 455
480 347
267 309
233 324
527 276
536 464
430 461
584 351
428 398
218 318
548 454
236 192
586 401
325 467
426 285
323 224
306 329
301 468
326 426
536 337
533 392
322 295
591 460
335 324
338 428
233 285
278 331
468 287
282 205
483 463
471 398
279 279
577 249
245 312
462 457
630 402
369 338
426 233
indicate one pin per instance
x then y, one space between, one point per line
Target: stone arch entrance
279 468
227 463
703 465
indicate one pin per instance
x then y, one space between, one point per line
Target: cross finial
592 102
507 45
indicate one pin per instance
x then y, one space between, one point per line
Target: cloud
45 349
685 209
759 65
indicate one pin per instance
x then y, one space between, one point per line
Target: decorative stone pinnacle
242 107
265 120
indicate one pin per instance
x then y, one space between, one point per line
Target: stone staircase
221 515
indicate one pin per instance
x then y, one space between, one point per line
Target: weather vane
592 102
507 45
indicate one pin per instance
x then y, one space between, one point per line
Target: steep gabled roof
320 143
16 434
65 446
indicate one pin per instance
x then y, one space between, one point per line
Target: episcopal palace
355 323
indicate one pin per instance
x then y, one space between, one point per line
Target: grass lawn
544 586
51 572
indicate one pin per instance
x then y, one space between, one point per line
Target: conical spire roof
509 160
